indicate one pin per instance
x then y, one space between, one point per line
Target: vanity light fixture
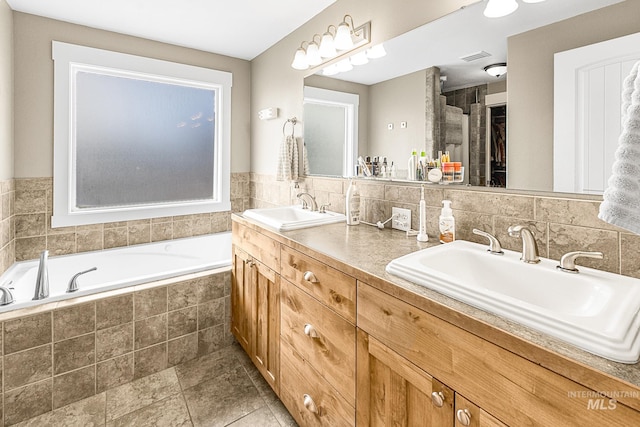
344 39
376 51
496 70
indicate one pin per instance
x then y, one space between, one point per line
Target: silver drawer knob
310 277
310 404
437 398
464 416
310 331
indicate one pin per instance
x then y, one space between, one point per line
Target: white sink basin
292 217
594 310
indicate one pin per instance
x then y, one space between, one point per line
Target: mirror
387 99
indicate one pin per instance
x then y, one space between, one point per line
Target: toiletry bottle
352 204
447 223
422 229
413 164
392 170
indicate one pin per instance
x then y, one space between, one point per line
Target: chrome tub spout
42 280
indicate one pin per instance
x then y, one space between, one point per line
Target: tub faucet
73 283
7 296
314 205
529 245
42 280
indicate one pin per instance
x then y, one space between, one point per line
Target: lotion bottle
412 165
422 229
352 204
447 223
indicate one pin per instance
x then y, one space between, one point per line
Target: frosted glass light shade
343 37
344 65
330 70
376 51
496 70
327 46
533 1
359 58
300 60
499 8
313 55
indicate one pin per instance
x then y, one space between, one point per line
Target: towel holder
293 121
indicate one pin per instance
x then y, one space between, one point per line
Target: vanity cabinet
255 300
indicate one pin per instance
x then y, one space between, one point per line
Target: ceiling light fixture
344 39
496 70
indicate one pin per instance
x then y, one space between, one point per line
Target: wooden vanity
344 345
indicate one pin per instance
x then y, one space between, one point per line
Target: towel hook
293 121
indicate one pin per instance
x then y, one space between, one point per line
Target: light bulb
499 8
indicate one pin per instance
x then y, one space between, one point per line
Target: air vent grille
475 56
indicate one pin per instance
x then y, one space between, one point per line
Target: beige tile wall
57 357
33 232
560 224
7 224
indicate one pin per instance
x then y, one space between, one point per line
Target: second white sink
292 217
594 310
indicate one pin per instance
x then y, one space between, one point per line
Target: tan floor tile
171 411
85 413
206 367
260 417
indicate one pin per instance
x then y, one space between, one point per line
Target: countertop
366 250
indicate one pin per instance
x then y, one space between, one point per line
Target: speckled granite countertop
367 250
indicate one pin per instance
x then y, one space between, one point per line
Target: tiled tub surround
7 224
33 232
82 347
561 224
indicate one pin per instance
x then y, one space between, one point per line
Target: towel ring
293 122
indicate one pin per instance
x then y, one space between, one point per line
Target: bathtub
117 268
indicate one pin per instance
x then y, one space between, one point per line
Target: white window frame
69 58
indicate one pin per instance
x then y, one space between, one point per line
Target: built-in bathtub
117 268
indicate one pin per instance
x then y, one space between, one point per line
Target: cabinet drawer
325 340
507 386
309 398
257 245
332 287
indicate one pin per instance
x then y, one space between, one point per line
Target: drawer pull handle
250 263
310 277
310 331
310 404
464 416
438 398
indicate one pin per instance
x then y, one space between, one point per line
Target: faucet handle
568 260
6 297
323 208
494 244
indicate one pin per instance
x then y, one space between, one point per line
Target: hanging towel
621 199
288 160
305 160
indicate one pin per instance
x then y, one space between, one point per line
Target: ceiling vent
475 56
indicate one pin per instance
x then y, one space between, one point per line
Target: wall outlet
401 219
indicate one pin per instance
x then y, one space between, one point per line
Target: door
266 323
241 298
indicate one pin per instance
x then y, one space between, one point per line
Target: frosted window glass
142 142
325 144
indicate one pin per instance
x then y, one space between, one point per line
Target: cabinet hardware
438 398
310 277
310 331
310 404
250 263
464 416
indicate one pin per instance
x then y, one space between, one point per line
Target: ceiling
238 28
466 31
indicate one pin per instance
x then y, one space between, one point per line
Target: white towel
288 160
621 199
305 160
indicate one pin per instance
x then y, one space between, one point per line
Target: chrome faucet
312 200
7 296
494 243
42 279
568 260
73 283
529 245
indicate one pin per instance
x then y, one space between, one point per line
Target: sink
594 310
292 217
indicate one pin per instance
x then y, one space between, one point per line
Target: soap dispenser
447 223
352 204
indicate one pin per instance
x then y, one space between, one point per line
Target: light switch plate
401 219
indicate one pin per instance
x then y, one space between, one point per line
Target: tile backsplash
7 224
560 224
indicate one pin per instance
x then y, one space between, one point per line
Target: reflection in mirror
535 31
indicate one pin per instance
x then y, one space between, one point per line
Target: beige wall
530 86
275 84
6 91
34 86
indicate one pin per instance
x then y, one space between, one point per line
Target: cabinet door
266 323
394 392
470 415
241 278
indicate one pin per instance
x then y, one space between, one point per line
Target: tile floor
219 389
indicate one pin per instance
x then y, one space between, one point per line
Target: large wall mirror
402 95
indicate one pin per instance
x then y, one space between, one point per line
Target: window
137 137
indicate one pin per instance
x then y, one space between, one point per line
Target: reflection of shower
443 80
